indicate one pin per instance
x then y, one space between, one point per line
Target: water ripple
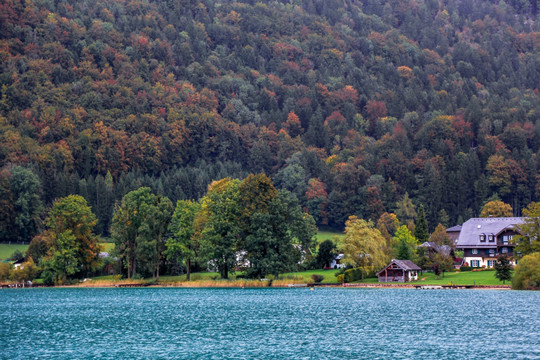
268 324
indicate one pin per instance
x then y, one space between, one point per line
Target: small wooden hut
399 271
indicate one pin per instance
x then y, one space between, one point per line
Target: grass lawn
305 276
327 235
457 278
462 278
6 250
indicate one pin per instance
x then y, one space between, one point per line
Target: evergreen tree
326 254
421 232
503 268
403 251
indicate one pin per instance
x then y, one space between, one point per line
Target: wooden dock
443 287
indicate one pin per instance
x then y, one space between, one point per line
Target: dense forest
356 107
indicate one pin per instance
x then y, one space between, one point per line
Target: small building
453 233
432 247
337 262
484 239
399 271
18 265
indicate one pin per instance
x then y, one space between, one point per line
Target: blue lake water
172 323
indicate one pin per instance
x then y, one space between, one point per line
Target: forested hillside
357 107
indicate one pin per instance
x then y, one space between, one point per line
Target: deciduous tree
183 244
527 274
363 245
72 214
138 229
496 209
222 228
529 240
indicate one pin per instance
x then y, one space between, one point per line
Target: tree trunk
134 267
188 269
225 272
157 267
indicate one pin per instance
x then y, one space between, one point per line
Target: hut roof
407 265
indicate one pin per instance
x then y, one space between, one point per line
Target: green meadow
6 250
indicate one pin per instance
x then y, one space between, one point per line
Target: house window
474 251
482 237
475 263
506 239
491 238
492 251
504 250
490 263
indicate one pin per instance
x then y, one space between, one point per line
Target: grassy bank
462 278
6 250
455 278
327 235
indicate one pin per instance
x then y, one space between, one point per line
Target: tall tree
72 214
529 240
138 229
62 261
326 254
26 189
7 208
154 233
273 234
222 229
421 232
363 245
183 244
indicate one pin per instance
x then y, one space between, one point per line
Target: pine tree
403 251
421 232
503 269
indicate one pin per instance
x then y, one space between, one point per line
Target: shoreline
255 284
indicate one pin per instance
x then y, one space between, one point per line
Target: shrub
465 268
341 278
4 271
16 256
527 273
317 278
354 274
195 277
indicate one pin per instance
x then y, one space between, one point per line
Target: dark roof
454 228
473 228
441 249
402 264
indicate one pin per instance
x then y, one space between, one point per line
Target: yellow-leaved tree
496 208
363 246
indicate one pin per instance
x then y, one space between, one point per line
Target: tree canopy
363 246
359 108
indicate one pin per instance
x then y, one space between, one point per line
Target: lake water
172 323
